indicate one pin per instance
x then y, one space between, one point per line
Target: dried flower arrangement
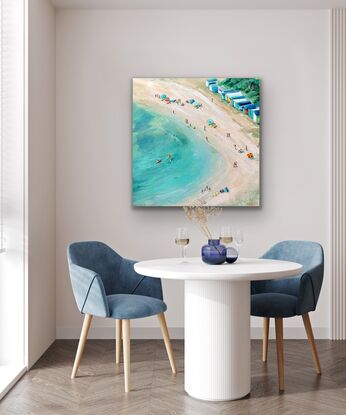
200 215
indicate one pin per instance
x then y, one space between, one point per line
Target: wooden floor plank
99 387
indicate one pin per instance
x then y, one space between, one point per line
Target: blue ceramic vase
214 253
231 255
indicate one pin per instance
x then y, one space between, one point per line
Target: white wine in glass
226 235
182 239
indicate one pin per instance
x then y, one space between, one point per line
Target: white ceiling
198 4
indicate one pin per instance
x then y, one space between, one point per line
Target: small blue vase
214 253
231 255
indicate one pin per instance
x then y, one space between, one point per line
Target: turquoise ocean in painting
187 161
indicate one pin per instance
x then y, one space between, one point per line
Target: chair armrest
88 291
309 289
139 284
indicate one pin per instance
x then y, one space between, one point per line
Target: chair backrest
99 258
117 273
309 254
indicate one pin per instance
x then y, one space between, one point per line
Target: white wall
41 178
98 52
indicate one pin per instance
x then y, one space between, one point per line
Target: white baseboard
178 333
292 333
109 333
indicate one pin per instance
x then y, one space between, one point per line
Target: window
12 185
2 239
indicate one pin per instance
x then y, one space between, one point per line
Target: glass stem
183 252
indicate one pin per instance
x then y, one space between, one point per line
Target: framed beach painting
196 141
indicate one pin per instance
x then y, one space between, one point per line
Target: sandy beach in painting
234 137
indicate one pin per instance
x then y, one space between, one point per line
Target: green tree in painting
249 86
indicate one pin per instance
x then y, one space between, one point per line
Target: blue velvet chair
106 285
297 296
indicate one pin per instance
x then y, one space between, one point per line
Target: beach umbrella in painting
163 96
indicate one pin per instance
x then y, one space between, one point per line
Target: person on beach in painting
235 164
206 189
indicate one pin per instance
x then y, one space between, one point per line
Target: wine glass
239 239
183 240
226 235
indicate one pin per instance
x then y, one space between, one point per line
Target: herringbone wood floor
99 387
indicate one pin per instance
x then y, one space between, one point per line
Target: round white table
217 319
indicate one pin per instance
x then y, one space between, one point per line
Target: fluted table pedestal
217 339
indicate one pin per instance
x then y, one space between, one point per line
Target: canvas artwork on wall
196 141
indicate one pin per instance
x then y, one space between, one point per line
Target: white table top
244 269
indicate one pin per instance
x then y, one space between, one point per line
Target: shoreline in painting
170 162
230 132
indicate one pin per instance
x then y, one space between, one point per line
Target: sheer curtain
12 192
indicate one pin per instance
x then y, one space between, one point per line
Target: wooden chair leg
266 323
310 334
127 353
280 352
118 340
167 341
81 344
